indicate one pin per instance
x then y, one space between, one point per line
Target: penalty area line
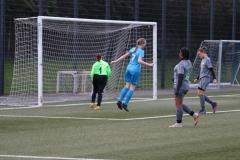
40 157
107 119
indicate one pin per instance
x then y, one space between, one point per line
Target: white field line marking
161 99
107 119
81 104
40 157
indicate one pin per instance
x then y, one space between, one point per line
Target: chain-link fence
180 23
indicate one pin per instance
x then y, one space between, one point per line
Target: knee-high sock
179 114
208 99
123 93
128 96
186 109
202 101
93 96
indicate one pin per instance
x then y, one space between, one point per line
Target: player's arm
120 58
92 72
109 72
195 80
213 74
179 84
144 63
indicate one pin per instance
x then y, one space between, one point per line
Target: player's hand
112 62
195 80
151 64
215 81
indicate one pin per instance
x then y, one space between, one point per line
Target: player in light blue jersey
133 72
204 80
181 86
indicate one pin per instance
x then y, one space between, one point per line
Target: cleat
195 117
125 107
202 111
91 105
119 104
214 106
176 125
97 108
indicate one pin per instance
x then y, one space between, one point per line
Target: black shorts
99 83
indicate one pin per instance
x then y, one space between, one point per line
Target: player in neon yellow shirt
100 74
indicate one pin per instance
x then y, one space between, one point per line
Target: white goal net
225 57
54 56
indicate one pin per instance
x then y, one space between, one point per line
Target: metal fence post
212 20
163 43
2 44
188 23
40 7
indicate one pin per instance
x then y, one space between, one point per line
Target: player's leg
214 104
134 81
206 82
202 100
95 90
101 85
127 78
182 107
179 110
203 83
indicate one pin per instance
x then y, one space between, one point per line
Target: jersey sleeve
180 69
141 53
109 72
92 72
209 63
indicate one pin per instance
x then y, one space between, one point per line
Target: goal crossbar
40 47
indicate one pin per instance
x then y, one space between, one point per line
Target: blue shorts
132 77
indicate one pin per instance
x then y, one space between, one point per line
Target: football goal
54 57
225 57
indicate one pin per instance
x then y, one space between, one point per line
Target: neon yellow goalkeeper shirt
101 68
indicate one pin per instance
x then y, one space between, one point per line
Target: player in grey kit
204 80
181 86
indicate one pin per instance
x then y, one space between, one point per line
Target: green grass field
72 131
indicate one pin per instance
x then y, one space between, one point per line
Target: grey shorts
181 93
203 83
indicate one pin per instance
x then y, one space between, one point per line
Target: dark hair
98 56
185 53
140 41
202 49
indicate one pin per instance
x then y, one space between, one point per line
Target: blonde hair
140 41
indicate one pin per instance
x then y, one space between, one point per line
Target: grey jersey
205 65
183 67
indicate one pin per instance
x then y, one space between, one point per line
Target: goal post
225 57
50 50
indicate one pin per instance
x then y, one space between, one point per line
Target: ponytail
202 49
135 49
140 41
